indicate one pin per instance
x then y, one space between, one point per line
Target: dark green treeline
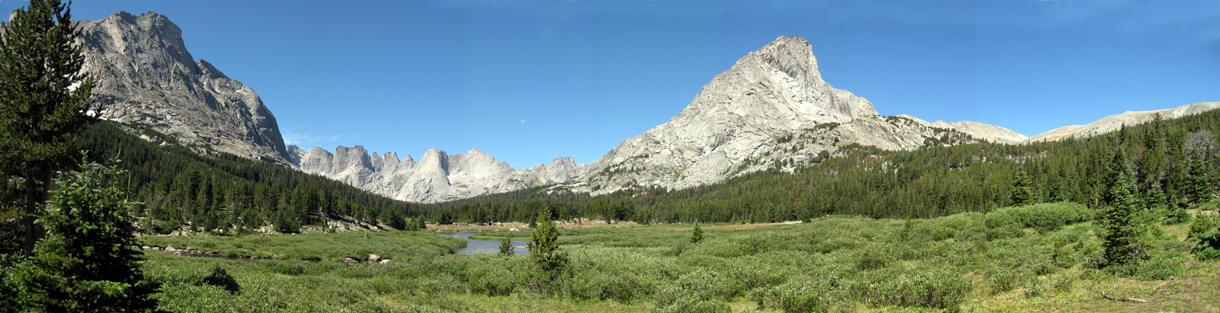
224 193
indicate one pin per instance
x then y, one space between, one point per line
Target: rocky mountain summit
146 77
771 109
1115 122
436 177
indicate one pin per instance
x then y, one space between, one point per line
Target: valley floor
831 264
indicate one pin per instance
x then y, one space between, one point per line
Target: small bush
1004 280
872 257
1208 248
698 290
801 295
686 303
1159 266
1200 225
1005 232
938 289
495 277
1045 217
1176 216
220 278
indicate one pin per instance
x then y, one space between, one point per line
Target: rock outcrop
1115 122
986 132
437 176
771 109
146 77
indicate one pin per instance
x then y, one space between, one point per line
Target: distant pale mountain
771 109
1115 122
146 77
977 130
437 176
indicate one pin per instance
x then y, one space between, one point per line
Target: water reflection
486 246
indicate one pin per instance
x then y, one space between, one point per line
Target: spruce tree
44 101
1124 230
697 235
1197 188
88 261
506 247
544 248
1023 192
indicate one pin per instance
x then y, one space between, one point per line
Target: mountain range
771 109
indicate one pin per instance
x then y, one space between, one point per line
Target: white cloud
307 140
522 121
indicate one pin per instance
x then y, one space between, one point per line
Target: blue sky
528 81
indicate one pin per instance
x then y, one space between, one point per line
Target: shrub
285 268
1200 225
221 278
1006 279
1045 217
1004 232
801 295
1176 216
871 257
698 290
1208 248
495 277
938 289
1160 266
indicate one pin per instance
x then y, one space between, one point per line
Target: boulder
373 258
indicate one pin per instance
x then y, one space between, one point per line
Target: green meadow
1043 257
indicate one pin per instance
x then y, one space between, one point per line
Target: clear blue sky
528 81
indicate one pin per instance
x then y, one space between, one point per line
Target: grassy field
1040 258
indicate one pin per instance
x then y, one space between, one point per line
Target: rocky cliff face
1115 122
145 76
437 176
771 109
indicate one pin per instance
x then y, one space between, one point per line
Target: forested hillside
224 193
1175 163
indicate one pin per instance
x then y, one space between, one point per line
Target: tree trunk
33 197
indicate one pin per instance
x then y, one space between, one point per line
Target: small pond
486 246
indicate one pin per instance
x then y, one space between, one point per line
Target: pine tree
1197 188
697 235
44 100
88 261
392 219
544 248
1124 231
1023 192
506 247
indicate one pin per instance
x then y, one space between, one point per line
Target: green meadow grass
1037 258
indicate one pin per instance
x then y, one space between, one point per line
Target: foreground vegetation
1043 258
